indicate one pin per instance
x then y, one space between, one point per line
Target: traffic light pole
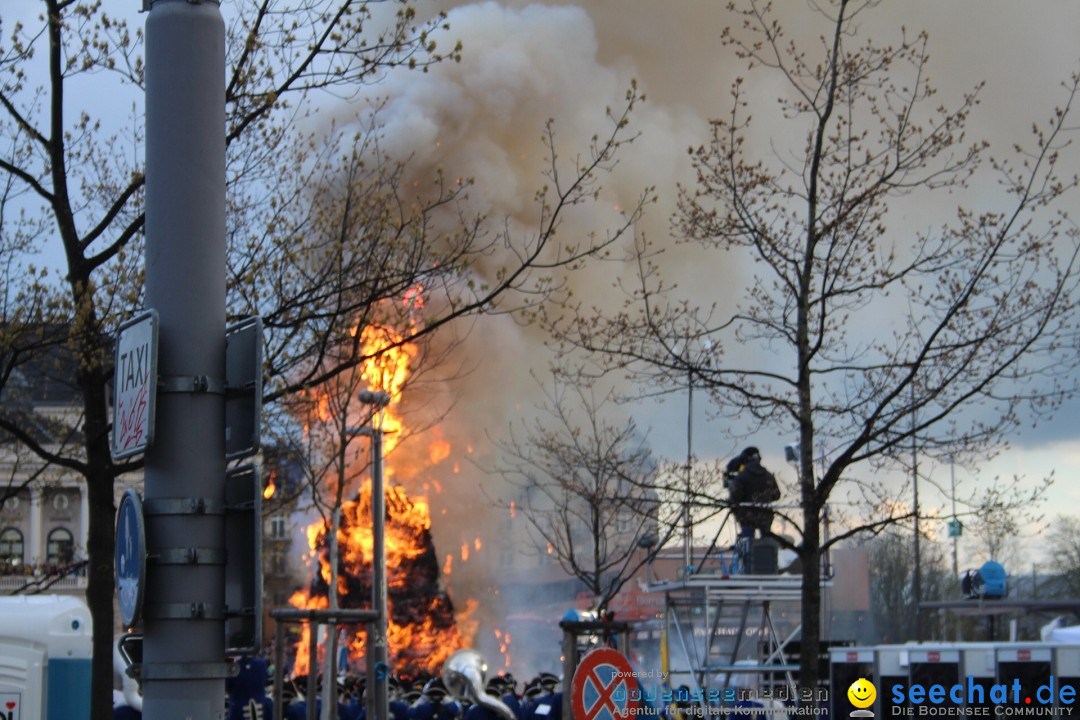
183 664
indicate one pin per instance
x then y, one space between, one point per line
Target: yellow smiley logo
862 693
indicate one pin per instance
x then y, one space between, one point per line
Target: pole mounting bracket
185 611
183 671
188 556
183 506
200 384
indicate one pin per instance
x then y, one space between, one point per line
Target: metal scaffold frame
714 584
749 596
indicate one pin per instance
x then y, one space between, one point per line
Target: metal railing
311 617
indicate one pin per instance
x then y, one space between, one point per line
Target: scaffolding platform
724 630
724 586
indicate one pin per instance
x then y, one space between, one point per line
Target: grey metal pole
329 688
378 580
956 538
378 665
570 663
184 667
279 668
313 669
916 588
688 522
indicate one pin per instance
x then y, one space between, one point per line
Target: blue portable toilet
45 647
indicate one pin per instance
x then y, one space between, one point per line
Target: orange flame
503 639
439 451
421 640
302 599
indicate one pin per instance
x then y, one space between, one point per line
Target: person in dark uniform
529 695
478 711
398 705
435 704
247 691
548 704
510 697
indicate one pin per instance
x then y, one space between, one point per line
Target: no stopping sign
604 687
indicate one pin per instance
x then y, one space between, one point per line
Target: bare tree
852 336
892 598
1001 513
891 572
586 487
74 168
1064 550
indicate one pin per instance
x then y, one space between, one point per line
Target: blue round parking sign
130 558
605 687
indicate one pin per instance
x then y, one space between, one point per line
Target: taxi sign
605 687
135 385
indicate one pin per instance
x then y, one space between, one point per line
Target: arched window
11 548
61 549
279 528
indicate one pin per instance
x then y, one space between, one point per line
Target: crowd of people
250 694
424 698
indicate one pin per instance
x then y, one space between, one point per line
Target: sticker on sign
10 706
135 385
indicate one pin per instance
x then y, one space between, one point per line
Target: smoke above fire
483 118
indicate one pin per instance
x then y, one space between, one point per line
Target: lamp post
378 668
954 529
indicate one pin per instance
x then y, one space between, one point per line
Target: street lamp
378 668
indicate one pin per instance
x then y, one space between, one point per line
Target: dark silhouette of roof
38 370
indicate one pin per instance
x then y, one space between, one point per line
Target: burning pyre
422 627
422 631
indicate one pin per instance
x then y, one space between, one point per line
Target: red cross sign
605 687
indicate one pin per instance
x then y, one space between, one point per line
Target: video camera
731 471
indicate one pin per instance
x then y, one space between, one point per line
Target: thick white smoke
484 118
524 63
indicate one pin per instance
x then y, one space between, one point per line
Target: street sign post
605 687
130 558
135 385
243 388
243 571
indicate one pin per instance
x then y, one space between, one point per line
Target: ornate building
44 515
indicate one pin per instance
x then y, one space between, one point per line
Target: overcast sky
524 63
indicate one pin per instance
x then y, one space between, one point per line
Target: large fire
423 628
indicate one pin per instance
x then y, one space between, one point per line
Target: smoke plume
524 63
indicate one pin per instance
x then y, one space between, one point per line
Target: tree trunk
99 590
100 536
810 640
